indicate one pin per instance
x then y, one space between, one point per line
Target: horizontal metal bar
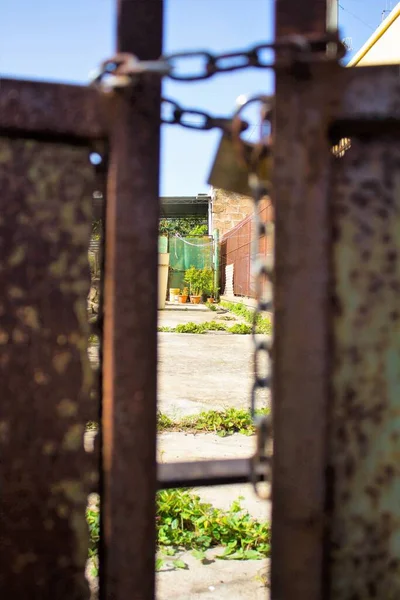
363 128
359 98
205 473
52 111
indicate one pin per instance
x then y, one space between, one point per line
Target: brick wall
229 209
236 251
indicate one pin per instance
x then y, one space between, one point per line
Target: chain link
260 463
122 69
261 345
174 114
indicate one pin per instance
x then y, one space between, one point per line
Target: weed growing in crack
184 522
238 328
223 423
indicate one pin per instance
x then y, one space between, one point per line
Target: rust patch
45 212
364 451
33 109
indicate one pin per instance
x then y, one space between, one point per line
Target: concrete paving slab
174 306
178 446
217 580
199 372
174 446
203 372
174 315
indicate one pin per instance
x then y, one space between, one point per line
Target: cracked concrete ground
195 373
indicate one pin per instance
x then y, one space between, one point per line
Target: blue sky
63 40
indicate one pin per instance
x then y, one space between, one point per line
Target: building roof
176 207
388 53
171 207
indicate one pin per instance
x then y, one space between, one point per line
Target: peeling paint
15 292
29 316
45 372
4 337
61 361
364 448
18 336
17 256
73 439
67 408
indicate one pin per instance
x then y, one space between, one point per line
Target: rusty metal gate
336 354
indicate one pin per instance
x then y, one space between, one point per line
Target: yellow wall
383 47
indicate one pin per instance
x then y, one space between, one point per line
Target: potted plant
193 277
200 281
208 284
213 296
183 296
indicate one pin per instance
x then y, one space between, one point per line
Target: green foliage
223 423
93 521
201 281
93 339
97 228
214 326
185 227
164 423
264 324
238 328
92 265
199 230
184 521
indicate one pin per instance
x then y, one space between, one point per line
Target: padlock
231 168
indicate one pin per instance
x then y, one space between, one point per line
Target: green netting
190 252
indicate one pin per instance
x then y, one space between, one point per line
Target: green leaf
179 564
199 554
159 564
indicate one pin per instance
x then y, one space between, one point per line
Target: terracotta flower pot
210 300
195 299
182 299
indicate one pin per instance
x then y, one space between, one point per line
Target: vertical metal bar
130 338
365 534
301 361
308 16
45 375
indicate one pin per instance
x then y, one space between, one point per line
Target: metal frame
316 531
329 474
130 319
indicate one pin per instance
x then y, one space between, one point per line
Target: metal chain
122 69
195 119
261 345
260 463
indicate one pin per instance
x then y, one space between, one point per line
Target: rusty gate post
336 517
301 294
46 181
130 330
364 553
